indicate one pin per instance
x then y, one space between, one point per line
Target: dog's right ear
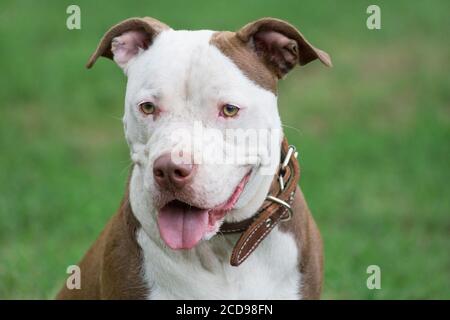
127 39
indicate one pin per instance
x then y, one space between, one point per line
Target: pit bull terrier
205 230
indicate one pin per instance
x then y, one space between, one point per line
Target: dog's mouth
182 225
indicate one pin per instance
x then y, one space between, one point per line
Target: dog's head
201 117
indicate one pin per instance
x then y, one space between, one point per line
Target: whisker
293 128
127 167
115 117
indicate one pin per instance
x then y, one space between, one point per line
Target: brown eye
147 107
229 110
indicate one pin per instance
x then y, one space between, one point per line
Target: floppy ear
126 39
280 45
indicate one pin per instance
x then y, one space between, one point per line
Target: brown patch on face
245 59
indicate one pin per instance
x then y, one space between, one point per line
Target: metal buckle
281 182
291 150
284 204
287 158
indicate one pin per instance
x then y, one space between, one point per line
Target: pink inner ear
272 38
277 48
126 46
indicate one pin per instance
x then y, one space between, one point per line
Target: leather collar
276 208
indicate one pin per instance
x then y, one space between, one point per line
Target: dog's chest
271 272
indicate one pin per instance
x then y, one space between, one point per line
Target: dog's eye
229 110
147 107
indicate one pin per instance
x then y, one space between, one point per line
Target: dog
205 230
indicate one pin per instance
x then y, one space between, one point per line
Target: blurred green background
373 134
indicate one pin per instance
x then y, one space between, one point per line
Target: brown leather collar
276 208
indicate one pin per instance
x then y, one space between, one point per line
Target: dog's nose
171 175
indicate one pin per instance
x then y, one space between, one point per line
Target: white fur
205 271
188 78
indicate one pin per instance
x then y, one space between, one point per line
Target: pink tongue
182 226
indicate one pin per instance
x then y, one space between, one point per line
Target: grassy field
373 134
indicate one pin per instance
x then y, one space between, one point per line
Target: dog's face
201 117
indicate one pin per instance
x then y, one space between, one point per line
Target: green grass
373 134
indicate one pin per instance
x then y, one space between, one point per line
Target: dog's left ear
126 39
280 45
